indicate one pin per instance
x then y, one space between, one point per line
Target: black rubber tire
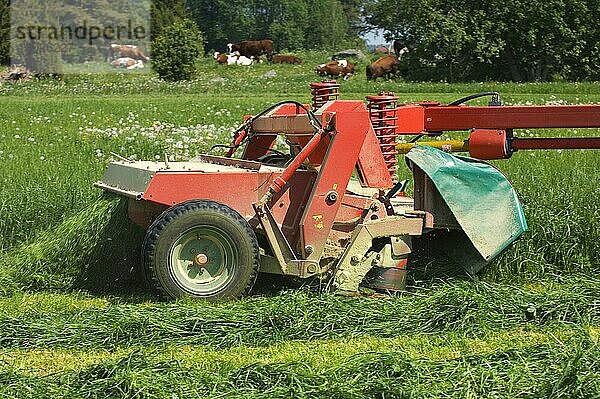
177 221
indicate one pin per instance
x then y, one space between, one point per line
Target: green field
77 320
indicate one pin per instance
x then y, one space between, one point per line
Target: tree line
518 40
292 24
449 40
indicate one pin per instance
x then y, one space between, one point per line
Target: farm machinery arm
332 209
492 127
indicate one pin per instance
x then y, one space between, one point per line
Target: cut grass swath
553 370
445 346
93 249
469 308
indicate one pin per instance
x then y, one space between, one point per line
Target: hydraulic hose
495 102
494 94
241 132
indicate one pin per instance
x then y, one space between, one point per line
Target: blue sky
374 37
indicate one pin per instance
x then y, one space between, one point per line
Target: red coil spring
327 90
384 119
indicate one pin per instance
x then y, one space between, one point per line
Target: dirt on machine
330 207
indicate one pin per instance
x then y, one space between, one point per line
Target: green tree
353 10
521 40
551 38
289 19
326 28
225 21
291 24
165 13
176 50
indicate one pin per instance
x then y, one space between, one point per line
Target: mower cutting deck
331 209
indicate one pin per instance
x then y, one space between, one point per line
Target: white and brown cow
336 68
127 63
253 48
233 59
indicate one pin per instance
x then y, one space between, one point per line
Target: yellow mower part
446 146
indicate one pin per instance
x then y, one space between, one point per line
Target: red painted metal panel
371 165
259 146
289 109
411 119
464 117
351 124
289 204
236 190
317 156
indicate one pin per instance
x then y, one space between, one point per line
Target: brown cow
336 68
128 50
253 48
385 66
286 59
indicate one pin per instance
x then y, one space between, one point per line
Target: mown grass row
438 347
558 369
95 249
467 307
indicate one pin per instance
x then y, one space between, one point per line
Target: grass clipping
93 249
553 370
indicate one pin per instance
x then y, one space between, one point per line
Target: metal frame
307 206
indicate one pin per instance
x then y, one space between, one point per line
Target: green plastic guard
481 199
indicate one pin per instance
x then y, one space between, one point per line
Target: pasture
77 321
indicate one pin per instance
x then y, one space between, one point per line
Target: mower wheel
201 249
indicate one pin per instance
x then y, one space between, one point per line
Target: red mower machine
331 209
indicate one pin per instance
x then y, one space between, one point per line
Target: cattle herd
249 52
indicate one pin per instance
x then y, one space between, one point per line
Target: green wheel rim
203 260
